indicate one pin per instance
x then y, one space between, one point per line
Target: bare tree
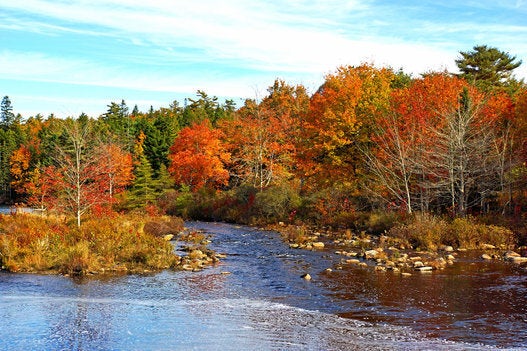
462 162
78 162
392 161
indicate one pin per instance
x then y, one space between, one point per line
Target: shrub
177 203
294 234
164 225
277 202
78 259
428 232
471 235
424 231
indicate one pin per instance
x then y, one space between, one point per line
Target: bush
424 231
164 225
177 203
429 232
471 235
276 203
78 259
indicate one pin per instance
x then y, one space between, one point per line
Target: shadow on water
264 304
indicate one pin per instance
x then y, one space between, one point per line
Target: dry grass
429 232
33 243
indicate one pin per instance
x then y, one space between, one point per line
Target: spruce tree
7 116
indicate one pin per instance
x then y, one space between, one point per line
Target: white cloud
291 36
296 40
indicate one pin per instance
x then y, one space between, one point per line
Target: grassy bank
127 243
422 232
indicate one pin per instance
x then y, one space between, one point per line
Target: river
263 304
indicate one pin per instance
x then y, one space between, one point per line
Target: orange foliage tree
115 168
42 187
262 137
19 167
198 157
341 114
443 143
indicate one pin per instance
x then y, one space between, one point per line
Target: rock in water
306 276
318 245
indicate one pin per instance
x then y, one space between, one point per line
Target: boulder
352 261
519 259
486 257
318 245
424 269
306 276
371 254
510 255
418 264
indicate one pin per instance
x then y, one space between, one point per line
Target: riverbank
400 254
31 243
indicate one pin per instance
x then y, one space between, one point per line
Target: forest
373 147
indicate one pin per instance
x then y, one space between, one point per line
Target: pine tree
487 68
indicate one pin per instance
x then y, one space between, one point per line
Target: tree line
369 138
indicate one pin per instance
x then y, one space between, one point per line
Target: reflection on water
263 304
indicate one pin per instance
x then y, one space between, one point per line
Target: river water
263 304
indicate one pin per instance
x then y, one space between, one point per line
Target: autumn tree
43 187
392 162
407 136
115 168
341 114
20 169
198 157
263 136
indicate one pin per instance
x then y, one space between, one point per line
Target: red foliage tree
198 157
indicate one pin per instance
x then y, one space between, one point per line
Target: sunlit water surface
263 304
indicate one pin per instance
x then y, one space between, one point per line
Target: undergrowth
35 243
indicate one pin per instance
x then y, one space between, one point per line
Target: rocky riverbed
384 253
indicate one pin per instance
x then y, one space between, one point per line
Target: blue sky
72 56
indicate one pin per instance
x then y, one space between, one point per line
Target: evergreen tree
7 116
8 144
117 118
487 67
143 190
205 107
